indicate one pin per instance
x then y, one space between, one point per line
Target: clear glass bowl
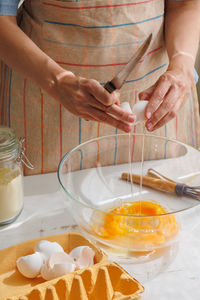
130 220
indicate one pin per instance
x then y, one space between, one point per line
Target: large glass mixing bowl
128 219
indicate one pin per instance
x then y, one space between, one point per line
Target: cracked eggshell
59 258
30 265
126 106
47 248
59 264
83 256
57 270
139 110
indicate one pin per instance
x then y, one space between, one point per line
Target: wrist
61 79
50 76
50 80
182 64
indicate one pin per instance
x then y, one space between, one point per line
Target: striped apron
93 39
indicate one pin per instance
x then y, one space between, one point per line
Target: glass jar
11 175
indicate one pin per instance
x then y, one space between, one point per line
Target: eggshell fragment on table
47 248
59 264
83 256
30 265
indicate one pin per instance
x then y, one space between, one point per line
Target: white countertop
45 213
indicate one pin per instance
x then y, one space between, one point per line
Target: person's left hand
167 96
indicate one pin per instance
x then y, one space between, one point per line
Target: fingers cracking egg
138 110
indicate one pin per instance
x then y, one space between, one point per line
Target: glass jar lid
9 143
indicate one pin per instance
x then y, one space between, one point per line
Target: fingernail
141 97
148 115
127 128
131 118
149 126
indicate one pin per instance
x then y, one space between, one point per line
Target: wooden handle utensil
149 181
180 189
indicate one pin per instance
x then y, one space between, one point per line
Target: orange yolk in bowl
145 223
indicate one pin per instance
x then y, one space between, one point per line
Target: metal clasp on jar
22 156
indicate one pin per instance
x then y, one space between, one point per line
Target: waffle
102 281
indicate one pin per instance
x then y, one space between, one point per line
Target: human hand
87 99
168 94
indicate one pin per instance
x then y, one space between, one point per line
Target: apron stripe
18 119
196 112
86 42
154 50
134 131
135 97
112 49
1 106
24 106
85 65
60 131
165 151
150 139
94 46
105 65
137 79
115 153
81 161
24 101
79 141
154 70
98 134
7 81
4 88
79 135
97 6
176 122
1 81
9 99
2 91
85 73
103 26
42 135
192 123
113 72
98 129
59 111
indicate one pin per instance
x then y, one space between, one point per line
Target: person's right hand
87 99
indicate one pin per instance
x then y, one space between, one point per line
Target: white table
45 213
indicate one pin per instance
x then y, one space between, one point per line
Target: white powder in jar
11 194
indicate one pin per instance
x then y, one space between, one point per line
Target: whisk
155 182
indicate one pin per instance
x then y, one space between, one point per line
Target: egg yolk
143 221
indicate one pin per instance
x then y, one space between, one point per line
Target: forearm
182 30
83 97
20 53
